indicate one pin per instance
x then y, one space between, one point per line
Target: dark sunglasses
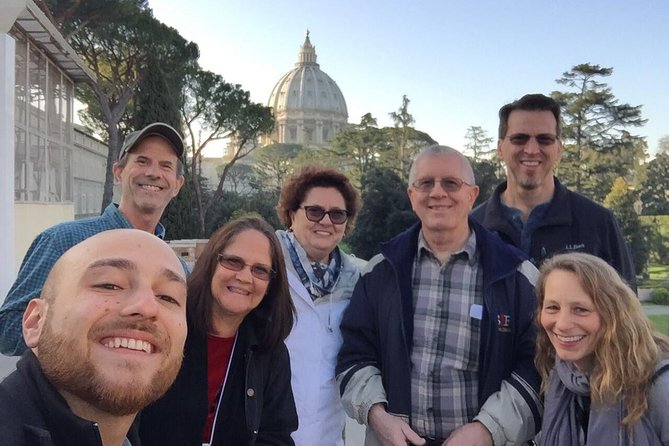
520 139
317 213
449 184
234 263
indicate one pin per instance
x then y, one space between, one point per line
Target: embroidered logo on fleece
503 323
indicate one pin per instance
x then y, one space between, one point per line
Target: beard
70 369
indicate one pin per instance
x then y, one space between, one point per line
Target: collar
468 249
497 258
112 212
60 423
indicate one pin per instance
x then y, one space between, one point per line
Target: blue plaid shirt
45 250
446 339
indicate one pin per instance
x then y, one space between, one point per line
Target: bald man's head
112 317
101 242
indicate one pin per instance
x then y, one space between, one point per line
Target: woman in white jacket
318 207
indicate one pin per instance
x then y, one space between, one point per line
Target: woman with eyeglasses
318 207
605 368
234 385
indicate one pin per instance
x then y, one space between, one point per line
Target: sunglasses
448 184
543 139
234 263
317 213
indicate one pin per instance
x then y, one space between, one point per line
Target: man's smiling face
110 326
148 178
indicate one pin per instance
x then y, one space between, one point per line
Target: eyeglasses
317 213
234 263
449 184
543 139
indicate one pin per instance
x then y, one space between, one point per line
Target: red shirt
219 351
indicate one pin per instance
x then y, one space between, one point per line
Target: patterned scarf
318 278
561 423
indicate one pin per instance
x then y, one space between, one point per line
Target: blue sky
457 61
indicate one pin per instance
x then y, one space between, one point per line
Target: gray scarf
560 426
318 278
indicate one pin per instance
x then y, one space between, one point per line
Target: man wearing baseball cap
149 171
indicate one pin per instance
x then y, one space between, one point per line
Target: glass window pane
37 78
20 166
36 172
54 106
20 91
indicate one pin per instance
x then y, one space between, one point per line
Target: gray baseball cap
155 129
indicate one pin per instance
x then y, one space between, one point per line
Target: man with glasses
439 335
150 173
532 210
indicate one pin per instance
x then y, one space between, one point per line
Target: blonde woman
602 363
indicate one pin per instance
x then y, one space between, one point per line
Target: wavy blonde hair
629 348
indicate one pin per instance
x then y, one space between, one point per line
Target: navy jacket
572 223
257 406
378 324
33 413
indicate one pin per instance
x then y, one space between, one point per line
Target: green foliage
657 228
180 216
660 296
405 140
213 110
485 172
273 164
240 177
663 145
120 41
386 212
403 120
155 101
621 201
655 189
478 143
233 205
598 146
357 148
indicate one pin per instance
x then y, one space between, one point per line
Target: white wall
31 219
7 54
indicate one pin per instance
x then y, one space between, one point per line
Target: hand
391 430
471 434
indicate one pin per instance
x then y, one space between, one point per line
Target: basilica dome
309 107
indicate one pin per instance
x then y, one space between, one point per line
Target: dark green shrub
660 296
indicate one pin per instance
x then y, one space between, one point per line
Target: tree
485 172
273 164
120 41
386 212
215 110
158 101
663 144
621 200
598 146
478 143
356 149
655 189
403 120
233 205
72 15
240 177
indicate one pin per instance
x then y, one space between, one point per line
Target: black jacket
33 413
572 223
257 407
